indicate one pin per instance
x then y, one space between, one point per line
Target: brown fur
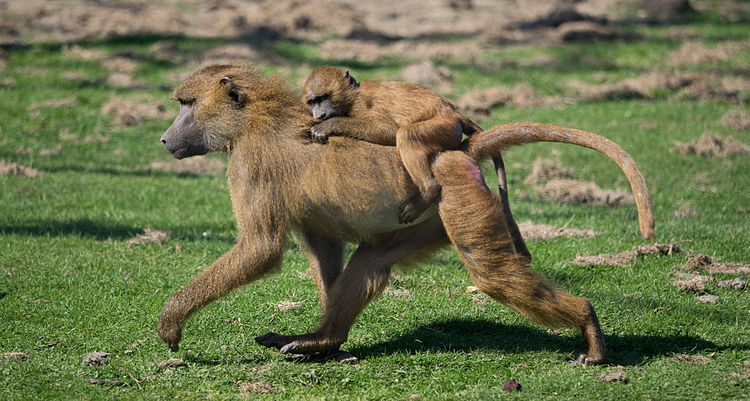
344 191
418 121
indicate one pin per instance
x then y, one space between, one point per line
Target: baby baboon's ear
235 93
352 82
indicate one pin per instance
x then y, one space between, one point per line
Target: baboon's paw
586 360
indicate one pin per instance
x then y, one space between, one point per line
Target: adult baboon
346 191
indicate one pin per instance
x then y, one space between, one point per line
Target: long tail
489 143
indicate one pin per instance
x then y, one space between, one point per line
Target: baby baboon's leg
364 278
417 144
477 227
245 262
326 258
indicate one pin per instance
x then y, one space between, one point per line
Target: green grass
71 285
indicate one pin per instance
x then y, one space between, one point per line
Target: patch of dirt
553 181
625 258
708 299
692 359
667 10
14 355
107 382
228 54
578 191
712 145
702 262
614 377
693 52
198 165
397 292
150 236
479 104
685 211
133 111
96 359
737 120
259 387
621 259
120 64
696 86
53 104
544 170
544 232
7 168
428 75
288 305
735 283
171 363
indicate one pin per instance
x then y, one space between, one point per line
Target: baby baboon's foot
586 359
301 344
411 208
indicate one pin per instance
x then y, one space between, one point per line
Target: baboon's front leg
245 262
363 279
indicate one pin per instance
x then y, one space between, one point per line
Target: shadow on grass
102 230
467 335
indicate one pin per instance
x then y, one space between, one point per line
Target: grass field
71 283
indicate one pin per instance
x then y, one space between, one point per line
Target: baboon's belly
354 190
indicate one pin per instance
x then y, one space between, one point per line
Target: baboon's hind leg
476 225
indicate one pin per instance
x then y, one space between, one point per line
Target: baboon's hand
170 333
321 131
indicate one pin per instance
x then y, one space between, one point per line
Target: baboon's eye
322 98
185 101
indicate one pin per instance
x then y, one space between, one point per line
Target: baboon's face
183 138
329 92
210 117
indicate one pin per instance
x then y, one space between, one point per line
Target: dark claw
271 340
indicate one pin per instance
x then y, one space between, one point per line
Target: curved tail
489 143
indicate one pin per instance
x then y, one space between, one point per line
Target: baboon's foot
170 333
594 337
411 208
300 344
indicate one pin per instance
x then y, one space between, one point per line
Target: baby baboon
346 191
418 121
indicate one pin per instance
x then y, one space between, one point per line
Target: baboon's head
329 92
212 110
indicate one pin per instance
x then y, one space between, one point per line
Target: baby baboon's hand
321 131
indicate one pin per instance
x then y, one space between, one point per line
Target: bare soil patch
150 236
702 262
712 145
736 119
14 355
171 363
693 52
479 104
259 387
96 359
7 168
133 111
578 191
288 305
625 258
544 232
429 75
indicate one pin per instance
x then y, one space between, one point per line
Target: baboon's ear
352 82
235 93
